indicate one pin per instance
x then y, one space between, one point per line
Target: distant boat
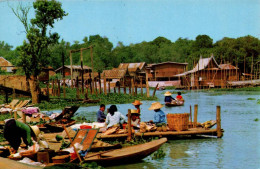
126 154
161 88
175 103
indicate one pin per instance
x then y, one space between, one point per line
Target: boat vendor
114 117
159 116
15 130
137 104
135 118
101 117
168 98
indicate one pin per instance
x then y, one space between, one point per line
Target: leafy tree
34 52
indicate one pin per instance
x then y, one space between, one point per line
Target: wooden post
115 89
91 54
147 84
15 114
141 83
119 88
53 88
129 128
48 93
86 94
14 93
135 89
71 71
132 86
124 85
218 119
109 86
105 84
190 114
195 116
155 89
24 118
99 82
82 73
58 81
64 89
96 90
77 87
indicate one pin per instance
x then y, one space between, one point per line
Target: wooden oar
72 143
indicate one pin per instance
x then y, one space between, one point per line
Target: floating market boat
126 154
175 103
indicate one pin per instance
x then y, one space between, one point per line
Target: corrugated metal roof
114 73
5 63
227 66
178 63
132 67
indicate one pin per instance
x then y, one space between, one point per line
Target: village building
76 70
117 77
165 71
5 65
207 73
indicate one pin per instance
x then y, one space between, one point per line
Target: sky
135 21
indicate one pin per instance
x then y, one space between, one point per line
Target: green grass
251 98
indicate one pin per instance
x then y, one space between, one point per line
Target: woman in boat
135 118
159 116
114 117
101 117
179 96
168 98
15 130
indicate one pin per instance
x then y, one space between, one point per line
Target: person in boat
159 116
179 96
135 118
101 117
15 130
114 117
137 105
168 98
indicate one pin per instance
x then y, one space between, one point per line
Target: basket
178 121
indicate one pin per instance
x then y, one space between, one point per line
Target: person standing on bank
15 130
159 116
101 117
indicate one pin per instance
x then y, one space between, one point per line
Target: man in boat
168 98
101 117
159 116
114 117
15 130
137 104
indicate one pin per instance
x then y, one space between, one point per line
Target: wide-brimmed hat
167 93
156 105
36 130
137 102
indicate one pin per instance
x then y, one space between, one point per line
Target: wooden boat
126 154
175 103
62 119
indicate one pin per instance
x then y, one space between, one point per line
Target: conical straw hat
156 105
137 102
167 93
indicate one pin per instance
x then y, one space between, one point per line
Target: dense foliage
241 52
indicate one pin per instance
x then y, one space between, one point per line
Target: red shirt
179 97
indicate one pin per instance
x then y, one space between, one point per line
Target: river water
238 148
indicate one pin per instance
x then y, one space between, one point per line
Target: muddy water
238 148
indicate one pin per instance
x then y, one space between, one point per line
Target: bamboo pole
15 114
218 119
72 143
82 73
71 71
64 88
147 84
129 129
155 89
190 114
105 84
195 116
141 86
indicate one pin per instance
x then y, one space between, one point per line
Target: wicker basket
178 122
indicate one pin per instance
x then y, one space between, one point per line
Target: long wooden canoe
126 154
175 103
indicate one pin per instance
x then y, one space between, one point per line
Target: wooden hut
165 71
117 76
207 73
76 70
5 65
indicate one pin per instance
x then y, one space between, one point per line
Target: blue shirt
159 117
101 117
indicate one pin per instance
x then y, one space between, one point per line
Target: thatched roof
132 67
227 67
115 73
5 63
74 67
